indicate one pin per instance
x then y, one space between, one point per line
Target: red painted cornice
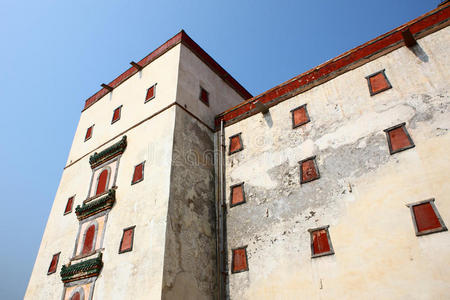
420 27
183 38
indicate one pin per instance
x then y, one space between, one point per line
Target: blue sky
55 54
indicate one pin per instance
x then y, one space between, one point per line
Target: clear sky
55 54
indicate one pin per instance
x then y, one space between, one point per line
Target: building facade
333 185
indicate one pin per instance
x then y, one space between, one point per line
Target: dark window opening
204 96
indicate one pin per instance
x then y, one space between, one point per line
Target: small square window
150 93
138 174
204 96
398 138
89 133
235 144
426 218
237 194
308 170
126 244
53 264
320 242
69 205
300 116
378 82
239 262
116 114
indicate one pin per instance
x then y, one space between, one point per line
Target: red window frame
53 263
233 139
116 114
392 146
69 205
89 133
426 218
320 242
204 96
138 173
102 182
304 164
295 111
89 248
150 94
128 233
372 89
239 261
237 192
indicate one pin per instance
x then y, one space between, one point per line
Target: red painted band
302 81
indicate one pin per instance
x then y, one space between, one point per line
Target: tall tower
134 214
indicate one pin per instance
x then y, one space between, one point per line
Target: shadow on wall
418 51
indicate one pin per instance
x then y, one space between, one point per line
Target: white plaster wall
131 94
193 73
362 191
144 204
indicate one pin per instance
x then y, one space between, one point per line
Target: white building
181 185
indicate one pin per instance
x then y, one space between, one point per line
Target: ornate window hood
94 207
81 270
118 148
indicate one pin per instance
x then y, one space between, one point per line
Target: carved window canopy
112 151
82 270
96 206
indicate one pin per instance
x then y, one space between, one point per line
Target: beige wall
131 94
362 191
193 73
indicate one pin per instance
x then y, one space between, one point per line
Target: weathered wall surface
189 260
362 191
193 73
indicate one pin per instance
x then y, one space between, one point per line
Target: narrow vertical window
150 93
138 174
102 182
237 194
69 205
53 264
75 296
89 239
116 114
308 170
89 133
239 262
378 82
398 138
126 244
426 218
320 242
300 116
235 144
204 96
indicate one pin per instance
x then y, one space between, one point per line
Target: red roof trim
336 66
183 38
